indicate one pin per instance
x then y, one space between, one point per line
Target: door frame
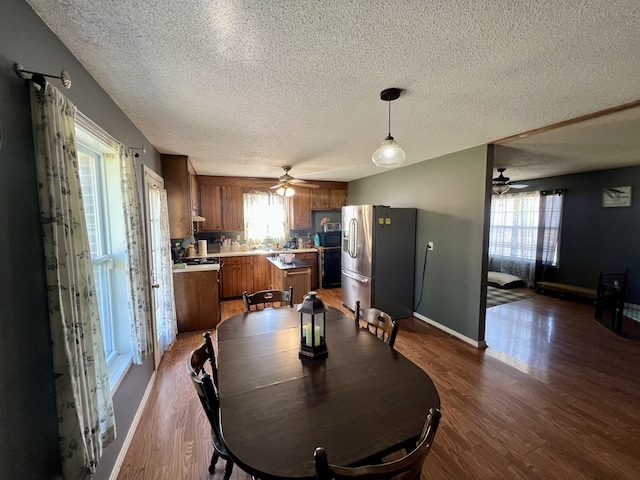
151 178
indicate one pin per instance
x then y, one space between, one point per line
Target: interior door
153 187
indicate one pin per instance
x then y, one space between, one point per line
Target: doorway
162 304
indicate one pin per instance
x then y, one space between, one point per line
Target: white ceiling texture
244 87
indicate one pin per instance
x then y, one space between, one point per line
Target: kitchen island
296 274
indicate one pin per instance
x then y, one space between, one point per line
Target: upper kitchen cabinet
328 198
222 206
300 209
177 173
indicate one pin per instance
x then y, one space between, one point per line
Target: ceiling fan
501 184
286 182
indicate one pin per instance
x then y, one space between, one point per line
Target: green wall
451 194
28 422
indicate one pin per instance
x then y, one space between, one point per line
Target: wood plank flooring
555 395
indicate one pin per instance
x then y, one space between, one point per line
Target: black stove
202 261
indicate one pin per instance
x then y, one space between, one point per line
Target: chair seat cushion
503 280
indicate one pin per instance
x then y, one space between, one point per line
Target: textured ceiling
244 87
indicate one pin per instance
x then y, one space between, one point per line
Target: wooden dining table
362 401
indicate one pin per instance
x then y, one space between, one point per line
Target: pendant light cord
389 102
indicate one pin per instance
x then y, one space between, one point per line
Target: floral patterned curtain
86 422
265 216
138 303
168 324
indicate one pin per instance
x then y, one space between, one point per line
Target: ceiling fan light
389 154
500 189
286 191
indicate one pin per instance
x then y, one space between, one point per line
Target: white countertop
197 268
244 253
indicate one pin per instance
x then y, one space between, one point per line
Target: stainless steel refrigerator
378 258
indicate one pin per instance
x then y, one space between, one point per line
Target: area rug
498 296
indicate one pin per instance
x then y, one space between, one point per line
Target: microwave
330 239
332 227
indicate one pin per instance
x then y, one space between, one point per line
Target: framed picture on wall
616 197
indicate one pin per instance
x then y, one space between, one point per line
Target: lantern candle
312 327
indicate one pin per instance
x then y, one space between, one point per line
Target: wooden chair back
267 298
377 322
205 383
405 468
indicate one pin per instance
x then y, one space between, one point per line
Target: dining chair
405 468
267 298
377 322
208 394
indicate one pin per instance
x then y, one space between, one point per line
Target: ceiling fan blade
275 186
517 185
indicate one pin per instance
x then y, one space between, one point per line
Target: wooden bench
565 288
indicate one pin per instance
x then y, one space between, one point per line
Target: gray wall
597 239
450 193
28 427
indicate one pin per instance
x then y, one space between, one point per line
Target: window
525 232
514 226
265 216
100 182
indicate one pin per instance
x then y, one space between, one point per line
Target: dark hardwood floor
555 395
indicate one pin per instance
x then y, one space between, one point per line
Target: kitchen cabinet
300 209
222 206
312 259
197 300
193 188
328 199
177 173
260 266
237 276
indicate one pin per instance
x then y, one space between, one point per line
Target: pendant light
389 154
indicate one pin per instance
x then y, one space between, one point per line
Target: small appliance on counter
332 227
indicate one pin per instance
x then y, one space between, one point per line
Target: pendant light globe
389 154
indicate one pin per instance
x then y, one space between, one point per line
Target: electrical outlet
430 246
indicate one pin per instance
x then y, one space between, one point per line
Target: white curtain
86 421
141 330
513 234
168 327
265 216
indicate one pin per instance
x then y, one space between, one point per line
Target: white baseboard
478 344
132 429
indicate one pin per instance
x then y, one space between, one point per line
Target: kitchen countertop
242 253
288 266
197 268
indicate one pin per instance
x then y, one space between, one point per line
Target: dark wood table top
365 398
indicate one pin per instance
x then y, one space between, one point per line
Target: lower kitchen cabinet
312 259
197 300
237 276
260 266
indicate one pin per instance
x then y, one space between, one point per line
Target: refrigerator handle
356 277
352 238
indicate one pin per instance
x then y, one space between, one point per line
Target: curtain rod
39 79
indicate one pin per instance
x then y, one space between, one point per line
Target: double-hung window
100 181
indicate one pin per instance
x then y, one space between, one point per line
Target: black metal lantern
313 342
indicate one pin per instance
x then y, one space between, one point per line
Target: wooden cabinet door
211 207
193 188
300 210
176 181
237 276
312 259
197 301
232 208
260 266
338 198
320 199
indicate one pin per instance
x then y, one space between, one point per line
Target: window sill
118 369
